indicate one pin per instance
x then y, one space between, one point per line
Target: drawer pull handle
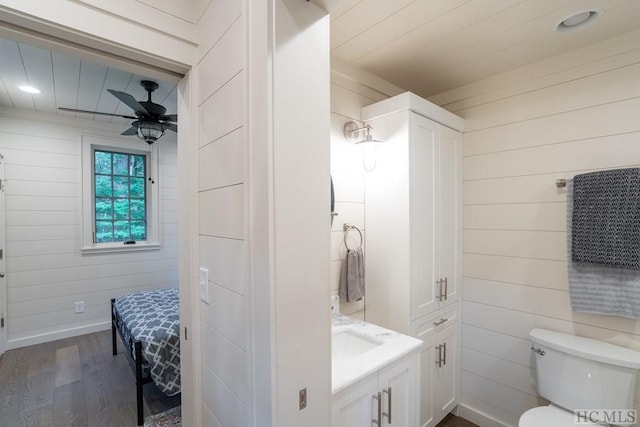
378 397
443 288
444 357
388 415
442 320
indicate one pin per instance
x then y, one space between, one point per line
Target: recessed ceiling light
577 20
29 89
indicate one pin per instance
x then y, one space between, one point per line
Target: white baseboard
479 418
57 335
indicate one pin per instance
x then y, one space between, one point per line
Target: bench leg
114 342
138 350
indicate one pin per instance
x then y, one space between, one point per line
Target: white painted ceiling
66 81
430 46
425 46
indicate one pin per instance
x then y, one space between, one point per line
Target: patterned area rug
170 418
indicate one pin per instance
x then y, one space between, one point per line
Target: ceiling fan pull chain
151 159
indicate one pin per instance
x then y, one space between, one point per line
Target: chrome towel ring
347 228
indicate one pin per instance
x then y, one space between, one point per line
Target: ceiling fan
150 121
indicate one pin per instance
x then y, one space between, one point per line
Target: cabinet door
445 380
432 330
400 392
427 360
355 406
448 214
423 171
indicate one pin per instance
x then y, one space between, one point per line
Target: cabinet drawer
426 328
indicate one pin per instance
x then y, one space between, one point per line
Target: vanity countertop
392 346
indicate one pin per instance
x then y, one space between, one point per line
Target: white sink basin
347 344
360 348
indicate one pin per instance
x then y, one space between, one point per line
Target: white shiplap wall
46 273
351 89
526 128
221 108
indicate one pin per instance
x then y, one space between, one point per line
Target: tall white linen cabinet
413 209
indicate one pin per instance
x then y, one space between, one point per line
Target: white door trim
3 255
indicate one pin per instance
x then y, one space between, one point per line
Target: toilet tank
581 373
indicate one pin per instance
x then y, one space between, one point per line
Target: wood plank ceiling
66 81
425 46
430 46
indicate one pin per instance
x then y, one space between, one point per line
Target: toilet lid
549 416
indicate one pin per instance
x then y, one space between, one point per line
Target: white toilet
577 374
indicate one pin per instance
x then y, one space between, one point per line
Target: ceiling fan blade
130 101
171 126
170 118
131 131
73 110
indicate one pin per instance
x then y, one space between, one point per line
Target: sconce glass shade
149 132
352 131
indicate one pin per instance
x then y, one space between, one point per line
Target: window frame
89 145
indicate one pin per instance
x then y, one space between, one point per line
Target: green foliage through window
120 196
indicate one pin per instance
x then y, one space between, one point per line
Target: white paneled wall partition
224 327
526 128
351 89
46 273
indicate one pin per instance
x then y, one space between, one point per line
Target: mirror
333 203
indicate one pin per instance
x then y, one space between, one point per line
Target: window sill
120 247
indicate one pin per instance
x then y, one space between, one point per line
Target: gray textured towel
352 276
597 288
606 218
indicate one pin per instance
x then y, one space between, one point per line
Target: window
120 196
120 202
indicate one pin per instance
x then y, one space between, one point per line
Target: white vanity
375 374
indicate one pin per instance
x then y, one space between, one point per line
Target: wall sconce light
357 134
352 133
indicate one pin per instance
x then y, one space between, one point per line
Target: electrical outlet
79 307
302 399
335 304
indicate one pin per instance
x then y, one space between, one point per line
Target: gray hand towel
606 218
352 276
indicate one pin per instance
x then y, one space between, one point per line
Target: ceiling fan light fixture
150 132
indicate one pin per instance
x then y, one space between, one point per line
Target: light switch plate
335 304
204 284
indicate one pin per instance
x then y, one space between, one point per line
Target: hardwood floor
453 421
73 382
78 382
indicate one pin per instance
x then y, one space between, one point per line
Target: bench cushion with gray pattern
153 319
